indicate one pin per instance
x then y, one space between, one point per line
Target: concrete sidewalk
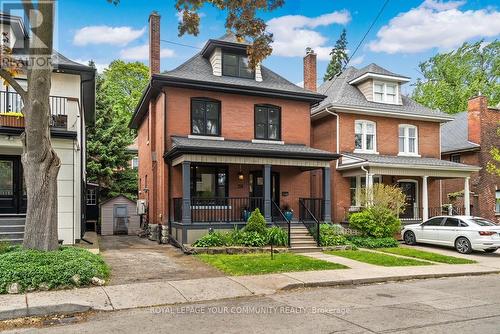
126 296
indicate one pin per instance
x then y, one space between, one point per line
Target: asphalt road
451 305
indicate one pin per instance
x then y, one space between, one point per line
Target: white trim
263 141
406 140
379 76
205 137
364 124
381 111
384 93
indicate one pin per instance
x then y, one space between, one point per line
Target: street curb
43 311
374 280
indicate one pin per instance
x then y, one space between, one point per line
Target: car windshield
482 222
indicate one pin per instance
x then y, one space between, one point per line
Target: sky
406 33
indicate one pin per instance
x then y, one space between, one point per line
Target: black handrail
316 221
276 206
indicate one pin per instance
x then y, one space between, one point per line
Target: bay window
408 139
364 136
205 117
385 92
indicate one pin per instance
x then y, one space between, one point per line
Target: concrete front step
301 237
11 228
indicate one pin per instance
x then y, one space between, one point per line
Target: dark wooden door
410 191
12 193
257 187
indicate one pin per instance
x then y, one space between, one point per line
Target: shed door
120 219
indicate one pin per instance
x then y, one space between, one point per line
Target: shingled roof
455 135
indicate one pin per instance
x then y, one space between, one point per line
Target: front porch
219 190
419 178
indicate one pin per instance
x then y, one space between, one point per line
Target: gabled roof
342 95
377 70
455 135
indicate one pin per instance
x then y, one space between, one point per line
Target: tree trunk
40 162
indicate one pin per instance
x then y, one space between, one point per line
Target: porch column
267 193
186 192
327 193
425 199
369 188
467 196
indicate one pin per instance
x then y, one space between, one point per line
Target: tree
339 57
493 166
40 162
451 79
119 90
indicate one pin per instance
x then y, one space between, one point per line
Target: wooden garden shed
119 216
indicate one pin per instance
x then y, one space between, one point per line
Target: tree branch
12 81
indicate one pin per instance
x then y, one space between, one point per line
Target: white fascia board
450 168
379 76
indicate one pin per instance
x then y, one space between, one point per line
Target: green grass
33 269
418 254
254 264
377 258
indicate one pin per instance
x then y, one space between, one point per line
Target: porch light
240 176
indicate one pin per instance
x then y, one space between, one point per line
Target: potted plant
12 119
245 213
288 212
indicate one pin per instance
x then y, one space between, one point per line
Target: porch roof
404 165
234 148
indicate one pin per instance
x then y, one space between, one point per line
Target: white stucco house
72 100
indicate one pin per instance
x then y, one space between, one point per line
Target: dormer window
385 92
235 65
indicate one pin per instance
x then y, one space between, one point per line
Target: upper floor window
235 65
385 92
455 158
364 136
205 117
267 122
408 140
135 162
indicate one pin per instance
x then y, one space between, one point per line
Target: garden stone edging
188 249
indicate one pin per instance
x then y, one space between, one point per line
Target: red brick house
216 138
469 139
383 136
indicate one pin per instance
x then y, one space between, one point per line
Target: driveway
134 259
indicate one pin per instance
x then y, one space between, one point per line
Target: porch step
301 241
12 229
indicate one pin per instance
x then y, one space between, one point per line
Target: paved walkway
133 259
165 292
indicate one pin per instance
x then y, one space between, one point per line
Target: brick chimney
475 107
154 43
310 76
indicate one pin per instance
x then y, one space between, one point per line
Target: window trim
268 106
406 137
237 66
93 195
384 94
360 185
363 149
219 125
456 155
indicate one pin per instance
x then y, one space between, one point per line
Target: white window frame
406 140
384 93
360 185
363 148
91 196
134 163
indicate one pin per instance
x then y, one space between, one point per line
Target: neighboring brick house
383 136
215 138
469 139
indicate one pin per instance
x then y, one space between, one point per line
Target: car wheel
490 250
409 238
463 246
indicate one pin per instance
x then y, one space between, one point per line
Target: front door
120 219
257 188
410 191
12 193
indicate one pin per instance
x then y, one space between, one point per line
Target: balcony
11 106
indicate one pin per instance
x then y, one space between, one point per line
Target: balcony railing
11 102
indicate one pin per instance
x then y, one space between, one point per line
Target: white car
465 233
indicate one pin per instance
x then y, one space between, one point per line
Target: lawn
254 264
377 258
418 254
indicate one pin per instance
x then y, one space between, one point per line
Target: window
209 181
364 136
385 92
236 66
497 207
91 197
135 162
455 158
267 122
357 184
205 117
452 222
434 222
408 140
